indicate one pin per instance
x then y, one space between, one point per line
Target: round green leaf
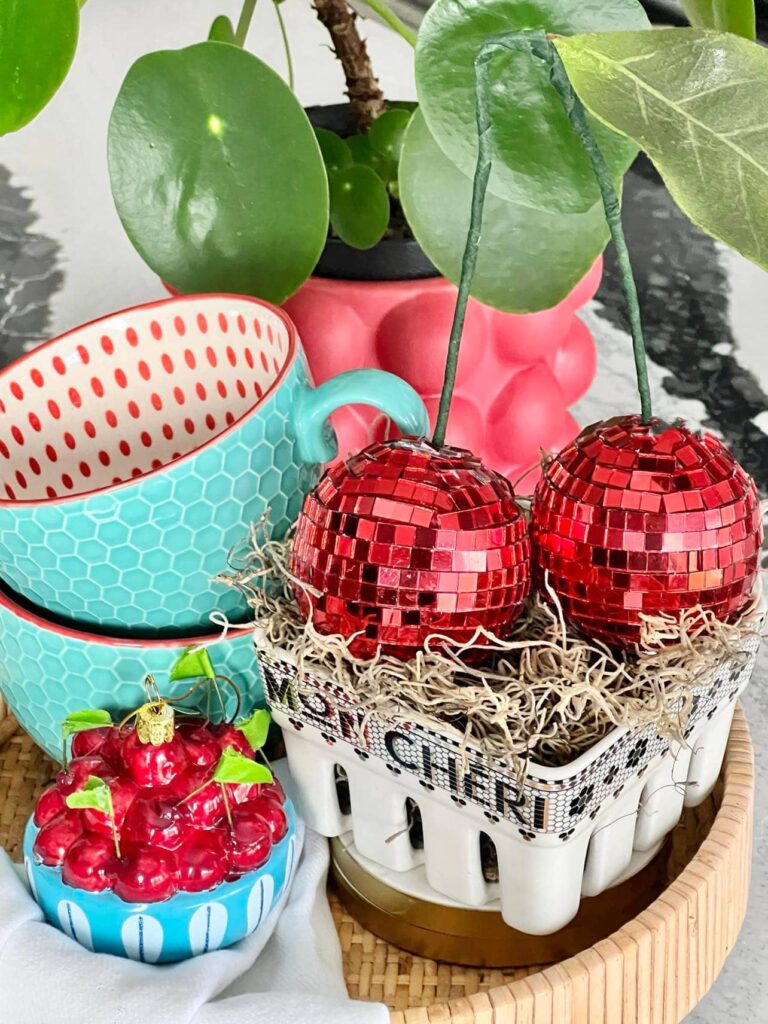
216 173
222 30
528 259
387 132
538 160
363 153
359 206
335 151
37 44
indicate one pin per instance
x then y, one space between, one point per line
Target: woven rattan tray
651 971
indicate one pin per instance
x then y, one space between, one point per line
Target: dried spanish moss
543 694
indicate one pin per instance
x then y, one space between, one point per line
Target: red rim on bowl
51 626
178 300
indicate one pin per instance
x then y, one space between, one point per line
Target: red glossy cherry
89 741
271 789
250 841
50 803
152 767
112 747
90 864
272 812
204 808
79 770
634 518
56 836
155 821
146 875
201 746
203 861
405 540
228 736
124 792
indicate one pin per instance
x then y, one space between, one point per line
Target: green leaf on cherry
256 728
37 44
94 795
336 153
194 663
236 768
222 30
80 721
387 132
359 206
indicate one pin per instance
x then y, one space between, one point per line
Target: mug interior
130 394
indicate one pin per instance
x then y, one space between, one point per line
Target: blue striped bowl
184 926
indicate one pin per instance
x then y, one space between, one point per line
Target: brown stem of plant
365 96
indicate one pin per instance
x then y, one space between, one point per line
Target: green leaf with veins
528 259
737 16
696 102
359 206
256 728
336 153
88 718
94 795
236 768
537 161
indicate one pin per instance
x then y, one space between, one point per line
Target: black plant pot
393 259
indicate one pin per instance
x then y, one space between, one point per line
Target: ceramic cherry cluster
148 819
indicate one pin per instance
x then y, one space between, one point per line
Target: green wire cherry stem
538 45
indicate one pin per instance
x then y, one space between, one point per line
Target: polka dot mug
136 450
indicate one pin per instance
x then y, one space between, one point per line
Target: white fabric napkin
289 972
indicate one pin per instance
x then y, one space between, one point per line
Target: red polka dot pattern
124 398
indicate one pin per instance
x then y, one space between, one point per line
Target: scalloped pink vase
517 375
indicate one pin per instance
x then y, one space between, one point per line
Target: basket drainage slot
342 789
489 859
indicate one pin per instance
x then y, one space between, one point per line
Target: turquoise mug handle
385 391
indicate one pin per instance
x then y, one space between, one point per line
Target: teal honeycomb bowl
48 670
135 451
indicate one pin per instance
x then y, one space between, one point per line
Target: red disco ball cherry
633 517
404 540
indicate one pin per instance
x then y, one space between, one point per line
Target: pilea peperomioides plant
222 184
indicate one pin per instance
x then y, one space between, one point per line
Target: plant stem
545 49
227 807
286 44
365 96
390 18
469 259
536 43
244 21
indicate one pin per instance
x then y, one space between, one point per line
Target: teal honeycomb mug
136 450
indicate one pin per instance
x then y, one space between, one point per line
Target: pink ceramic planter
518 374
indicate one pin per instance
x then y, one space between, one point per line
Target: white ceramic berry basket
572 831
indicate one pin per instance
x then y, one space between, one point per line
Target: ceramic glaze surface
136 451
186 925
47 672
517 374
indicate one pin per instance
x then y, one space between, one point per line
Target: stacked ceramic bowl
134 453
